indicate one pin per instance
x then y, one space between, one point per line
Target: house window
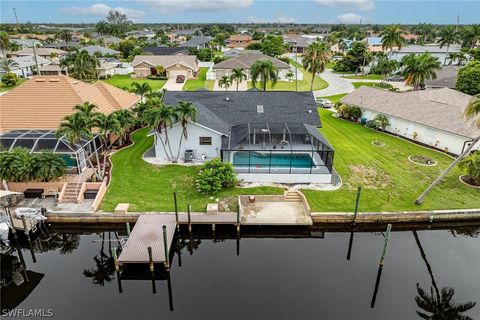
205 141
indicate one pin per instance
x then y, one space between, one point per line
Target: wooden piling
115 259
387 238
165 246
176 210
128 228
12 227
238 217
25 228
150 258
189 209
380 265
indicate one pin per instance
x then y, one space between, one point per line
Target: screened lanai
277 147
45 140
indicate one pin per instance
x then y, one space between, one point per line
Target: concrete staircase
292 196
71 193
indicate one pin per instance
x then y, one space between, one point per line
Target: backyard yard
200 82
150 188
390 181
125 81
4 88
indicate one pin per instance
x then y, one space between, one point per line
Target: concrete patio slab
275 213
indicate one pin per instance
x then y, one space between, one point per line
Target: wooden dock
148 232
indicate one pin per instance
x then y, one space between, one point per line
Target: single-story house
46 53
141 34
166 51
62 45
297 43
27 43
53 69
235 53
107 40
432 117
43 101
434 50
26 65
185 65
101 51
197 42
111 66
239 41
245 62
374 44
267 136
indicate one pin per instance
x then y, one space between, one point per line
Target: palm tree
160 117
102 27
7 64
4 42
315 59
238 75
392 37
74 128
49 166
419 68
103 271
126 120
80 65
23 165
448 36
289 75
108 125
224 82
66 36
186 112
472 110
471 165
264 71
141 89
471 35
381 121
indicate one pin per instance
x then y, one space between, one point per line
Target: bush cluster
215 175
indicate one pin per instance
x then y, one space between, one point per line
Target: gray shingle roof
218 113
166 51
415 48
197 41
247 60
446 77
441 109
104 51
29 61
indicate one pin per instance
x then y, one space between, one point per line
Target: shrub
471 165
214 176
468 80
10 79
381 122
20 165
371 124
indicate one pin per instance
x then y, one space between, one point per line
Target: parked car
324 103
397 78
180 79
337 58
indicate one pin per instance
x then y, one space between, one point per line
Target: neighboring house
374 44
239 41
235 53
446 77
46 53
410 38
432 117
108 40
141 34
53 69
434 50
184 65
267 136
62 45
297 43
110 66
245 62
26 65
27 43
336 48
166 51
43 101
197 42
102 51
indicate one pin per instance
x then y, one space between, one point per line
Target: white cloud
277 19
349 18
196 5
101 10
352 4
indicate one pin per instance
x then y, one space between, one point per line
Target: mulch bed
469 181
422 160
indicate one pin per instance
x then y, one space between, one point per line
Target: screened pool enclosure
283 148
45 140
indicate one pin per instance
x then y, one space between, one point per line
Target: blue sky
313 11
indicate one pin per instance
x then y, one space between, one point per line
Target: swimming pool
276 160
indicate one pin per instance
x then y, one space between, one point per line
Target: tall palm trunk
314 72
167 143
164 146
420 199
429 268
95 169
446 55
184 133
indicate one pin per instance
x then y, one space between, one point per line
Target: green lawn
335 98
391 182
4 88
150 188
200 82
367 84
330 64
365 77
125 81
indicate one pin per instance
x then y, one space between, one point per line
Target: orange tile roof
43 101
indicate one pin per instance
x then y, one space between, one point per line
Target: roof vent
54 80
39 80
310 111
259 108
227 99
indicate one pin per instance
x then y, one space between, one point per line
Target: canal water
280 276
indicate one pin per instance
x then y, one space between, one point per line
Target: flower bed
466 179
422 160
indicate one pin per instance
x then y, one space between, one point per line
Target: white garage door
174 73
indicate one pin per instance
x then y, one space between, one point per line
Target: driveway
172 85
336 85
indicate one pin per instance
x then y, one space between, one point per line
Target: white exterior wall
195 131
432 137
440 55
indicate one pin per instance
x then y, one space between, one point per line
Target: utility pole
296 71
458 21
15 13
